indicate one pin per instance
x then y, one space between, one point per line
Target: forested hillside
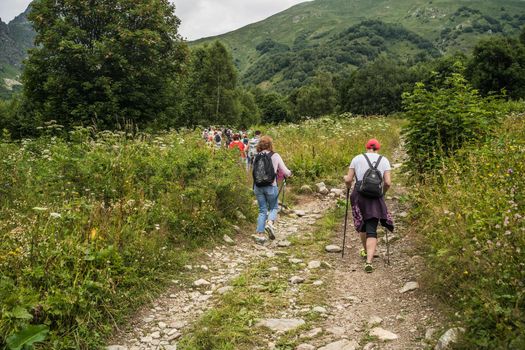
15 39
286 50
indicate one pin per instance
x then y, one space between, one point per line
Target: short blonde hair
265 144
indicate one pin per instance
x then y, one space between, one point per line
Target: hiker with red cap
371 172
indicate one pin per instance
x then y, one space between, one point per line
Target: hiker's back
360 164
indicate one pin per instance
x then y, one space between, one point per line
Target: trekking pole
284 191
346 220
387 249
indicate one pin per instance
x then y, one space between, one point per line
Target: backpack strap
368 161
378 161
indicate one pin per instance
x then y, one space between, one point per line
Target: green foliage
317 99
30 335
273 106
355 46
376 88
442 120
498 64
321 149
471 216
92 227
120 68
212 95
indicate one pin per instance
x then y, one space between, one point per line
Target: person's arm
281 167
387 179
350 177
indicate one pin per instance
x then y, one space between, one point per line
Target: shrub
442 120
89 228
472 220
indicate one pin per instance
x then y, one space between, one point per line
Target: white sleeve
353 163
385 163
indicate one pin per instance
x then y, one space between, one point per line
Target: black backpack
263 171
218 138
372 183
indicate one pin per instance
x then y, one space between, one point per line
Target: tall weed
472 216
92 227
321 149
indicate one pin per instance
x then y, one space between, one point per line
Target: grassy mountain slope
450 25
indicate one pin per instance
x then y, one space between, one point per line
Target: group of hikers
369 178
226 138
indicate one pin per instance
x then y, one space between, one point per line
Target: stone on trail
201 282
337 191
322 189
370 346
237 229
295 261
383 334
429 334
305 347
319 309
146 339
374 321
314 264
403 214
227 239
312 333
300 213
296 280
284 244
409 286
116 347
174 336
273 269
336 331
281 325
155 335
450 337
318 283
332 248
170 347
306 189
224 290
343 344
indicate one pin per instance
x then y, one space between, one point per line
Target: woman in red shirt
238 144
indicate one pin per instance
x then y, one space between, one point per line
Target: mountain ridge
450 26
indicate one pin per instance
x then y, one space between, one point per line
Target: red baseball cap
373 144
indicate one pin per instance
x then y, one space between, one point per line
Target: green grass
471 218
321 149
230 325
93 227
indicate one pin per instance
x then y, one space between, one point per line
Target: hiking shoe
362 253
259 239
270 230
369 268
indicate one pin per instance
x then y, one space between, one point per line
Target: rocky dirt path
311 298
162 324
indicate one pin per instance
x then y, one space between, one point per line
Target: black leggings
371 227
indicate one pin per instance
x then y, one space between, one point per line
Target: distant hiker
372 174
217 139
237 143
252 147
266 166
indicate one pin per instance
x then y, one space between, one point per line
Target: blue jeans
267 198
